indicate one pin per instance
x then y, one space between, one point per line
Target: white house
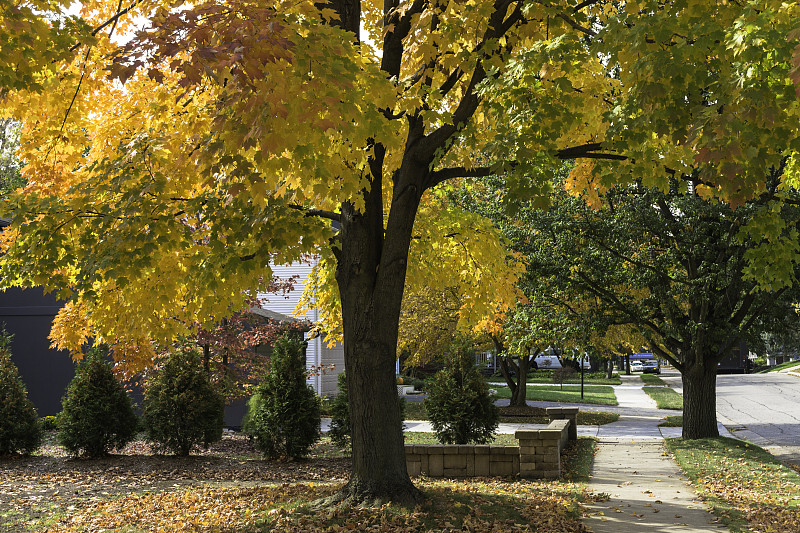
318 354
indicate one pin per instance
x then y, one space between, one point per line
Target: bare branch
585 3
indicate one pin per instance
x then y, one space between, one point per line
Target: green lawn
415 437
790 364
749 489
594 378
665 397
652 379
672 422
593 394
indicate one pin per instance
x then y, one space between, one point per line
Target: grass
593 394
672 422
783 366
415 437
475 504
537 415
415 411
749 489
595 378
665 397
596 418
652 379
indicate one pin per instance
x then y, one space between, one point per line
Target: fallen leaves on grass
478 505
742 483
226 492
198 509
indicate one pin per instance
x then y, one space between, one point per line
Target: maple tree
231 134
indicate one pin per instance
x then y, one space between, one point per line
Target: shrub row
182 409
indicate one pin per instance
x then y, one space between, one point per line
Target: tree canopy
673 266
166 167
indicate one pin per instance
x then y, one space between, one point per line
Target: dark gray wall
28 315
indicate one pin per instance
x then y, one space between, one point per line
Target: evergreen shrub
340 432
97 415
284 413
20 430
49 423
459 405
181 407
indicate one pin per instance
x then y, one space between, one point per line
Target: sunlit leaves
35 36
774 253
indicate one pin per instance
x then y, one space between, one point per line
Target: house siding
318 354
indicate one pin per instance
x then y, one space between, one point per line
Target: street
761 408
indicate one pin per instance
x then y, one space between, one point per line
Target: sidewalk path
647 491
646 488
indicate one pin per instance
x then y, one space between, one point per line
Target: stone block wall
537 456
453 460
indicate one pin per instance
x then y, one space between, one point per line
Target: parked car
651 366
546 362
637 366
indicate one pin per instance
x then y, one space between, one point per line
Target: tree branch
576 26
321 213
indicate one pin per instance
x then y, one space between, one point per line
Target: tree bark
700 399
520 395
371 271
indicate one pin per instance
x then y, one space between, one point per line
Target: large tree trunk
371 272
700 399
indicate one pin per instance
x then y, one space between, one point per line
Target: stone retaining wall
537 456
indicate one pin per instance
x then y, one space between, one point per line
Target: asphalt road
761 408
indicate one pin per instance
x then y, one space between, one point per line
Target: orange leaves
209 39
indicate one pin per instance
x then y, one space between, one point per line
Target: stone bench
537 456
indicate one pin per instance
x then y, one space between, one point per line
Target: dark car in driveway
651 366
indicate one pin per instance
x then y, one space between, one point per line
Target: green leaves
35 36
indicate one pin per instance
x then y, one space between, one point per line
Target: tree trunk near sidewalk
700 399
371 270
519 395
609 369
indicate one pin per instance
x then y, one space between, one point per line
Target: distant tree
679 268
19 424
235 351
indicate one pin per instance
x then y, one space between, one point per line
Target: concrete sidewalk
646 489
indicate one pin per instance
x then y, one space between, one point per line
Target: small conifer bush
20 431
181 406
340 416
459 405
284 413
97 415
340 432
